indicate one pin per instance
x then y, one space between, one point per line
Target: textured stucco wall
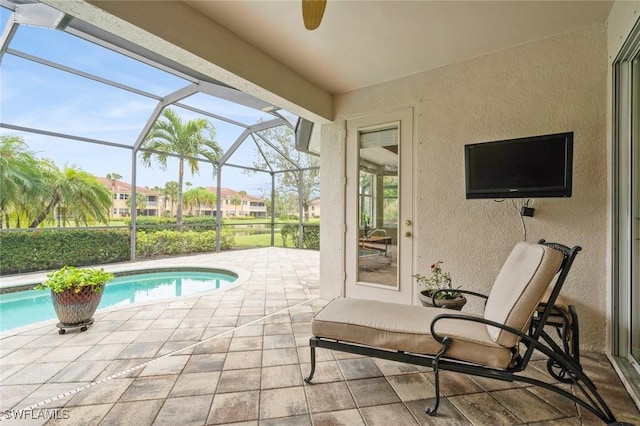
552 85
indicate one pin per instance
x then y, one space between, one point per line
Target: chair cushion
406 328
519 287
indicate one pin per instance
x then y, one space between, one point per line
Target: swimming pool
31 306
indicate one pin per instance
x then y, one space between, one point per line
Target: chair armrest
561 356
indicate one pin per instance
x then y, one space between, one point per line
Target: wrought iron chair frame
534 339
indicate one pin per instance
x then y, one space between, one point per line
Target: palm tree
170 136
20 178
170 191
71 191
236 200
199 197
141 202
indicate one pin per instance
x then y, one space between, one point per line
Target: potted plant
76 294
437 289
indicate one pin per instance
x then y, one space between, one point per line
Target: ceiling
360 42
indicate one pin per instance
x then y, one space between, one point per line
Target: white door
379 206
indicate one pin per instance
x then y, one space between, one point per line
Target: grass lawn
258 240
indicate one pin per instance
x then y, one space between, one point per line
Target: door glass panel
378 206
635 212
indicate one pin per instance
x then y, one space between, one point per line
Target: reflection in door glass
378 207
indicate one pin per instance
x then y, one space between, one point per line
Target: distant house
236 204
122 191
314 208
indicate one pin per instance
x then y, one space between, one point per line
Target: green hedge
155 224
28 251
150 244
310 236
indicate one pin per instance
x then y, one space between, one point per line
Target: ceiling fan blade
312 11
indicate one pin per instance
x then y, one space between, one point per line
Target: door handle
407 222
407 234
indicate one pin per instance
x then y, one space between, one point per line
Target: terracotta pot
457 303
76 308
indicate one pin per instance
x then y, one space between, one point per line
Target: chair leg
434 408
575 335
313 364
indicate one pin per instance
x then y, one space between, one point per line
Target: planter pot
456 303
76 308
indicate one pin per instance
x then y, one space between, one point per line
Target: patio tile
140 350
329 397
384 415
481 408
375 391
24 356
48 391
344 417
281 376
121 337
109 392
18 396
239 380
135 413
452 383
213 346
164 366
79 371
205 362
234 407
278 341
160 335
188 410
174 314
103 352
359 368
278 328
123 367
164 323
283 402
447 413
177 346
390 368
35 373
410 387
141 324
85 415
249 331
302 420
283 356
238 360
189 384
187 334
526 405
245 344
153 387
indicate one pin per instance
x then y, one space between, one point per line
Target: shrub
160 243
310 236
28 251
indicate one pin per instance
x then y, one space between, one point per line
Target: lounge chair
497 344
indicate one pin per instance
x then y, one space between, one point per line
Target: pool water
31 306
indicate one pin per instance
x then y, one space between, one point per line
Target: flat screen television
531 167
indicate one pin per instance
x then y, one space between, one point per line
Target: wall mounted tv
531 167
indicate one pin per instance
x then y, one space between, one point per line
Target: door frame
403 118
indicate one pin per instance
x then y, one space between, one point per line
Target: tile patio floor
239 357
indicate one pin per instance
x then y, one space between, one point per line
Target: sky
42 97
